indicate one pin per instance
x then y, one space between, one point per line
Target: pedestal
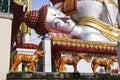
47 65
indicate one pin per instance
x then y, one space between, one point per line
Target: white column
118 52
26 38
5 42
47 65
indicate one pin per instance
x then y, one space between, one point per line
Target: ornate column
25 30
24 37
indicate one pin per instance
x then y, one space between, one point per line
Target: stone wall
5 40
61 76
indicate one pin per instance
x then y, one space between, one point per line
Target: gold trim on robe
112 33
113 2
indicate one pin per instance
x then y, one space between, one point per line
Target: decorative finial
46 36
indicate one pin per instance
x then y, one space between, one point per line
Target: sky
36 4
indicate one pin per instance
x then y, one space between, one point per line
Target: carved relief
103 62
73 60
27 58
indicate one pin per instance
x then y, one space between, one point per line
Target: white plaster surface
5 40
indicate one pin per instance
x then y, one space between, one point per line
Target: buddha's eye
52 14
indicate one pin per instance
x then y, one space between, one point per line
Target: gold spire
24 27
28 5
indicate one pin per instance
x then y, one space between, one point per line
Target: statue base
61 76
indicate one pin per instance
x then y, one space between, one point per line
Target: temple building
60 45
55 53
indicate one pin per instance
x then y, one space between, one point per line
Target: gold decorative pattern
69 6
84 43
93 0
20 2
36 19
25 28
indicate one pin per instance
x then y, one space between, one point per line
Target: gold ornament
21 2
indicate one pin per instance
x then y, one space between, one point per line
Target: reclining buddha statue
96 20
92 20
